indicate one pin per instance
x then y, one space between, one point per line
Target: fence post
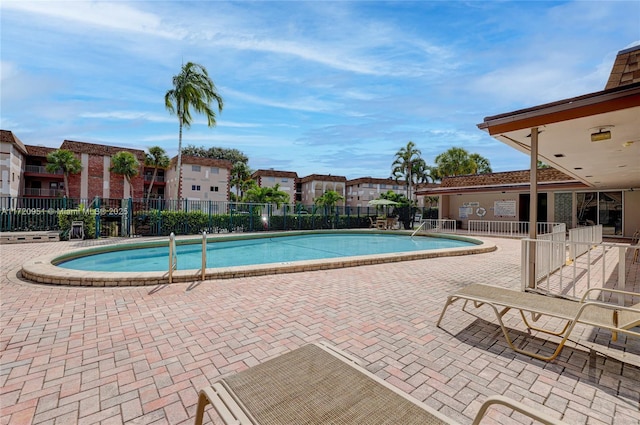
130 217
97 214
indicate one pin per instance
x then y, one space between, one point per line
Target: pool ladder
173 256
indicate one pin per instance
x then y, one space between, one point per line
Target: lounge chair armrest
518 407
227 407
585 297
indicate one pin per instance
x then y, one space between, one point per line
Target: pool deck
140 354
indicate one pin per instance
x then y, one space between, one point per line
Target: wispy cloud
117 16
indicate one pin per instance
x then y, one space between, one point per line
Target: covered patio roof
565 128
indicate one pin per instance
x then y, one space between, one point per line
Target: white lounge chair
318 384
586 311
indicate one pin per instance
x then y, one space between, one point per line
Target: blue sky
311 87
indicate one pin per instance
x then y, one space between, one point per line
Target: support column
533 206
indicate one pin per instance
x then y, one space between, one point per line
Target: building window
285 180
215 170
214 188
195 168
195 187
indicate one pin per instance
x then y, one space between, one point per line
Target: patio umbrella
376 202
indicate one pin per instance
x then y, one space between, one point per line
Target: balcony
52 193
40 169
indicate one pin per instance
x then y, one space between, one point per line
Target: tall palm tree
192 88
156 158
240 173
408 165
127 165
65 161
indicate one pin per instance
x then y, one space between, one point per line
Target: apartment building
364 189
287 181
95 179
38 182
12 162
315 185
203 179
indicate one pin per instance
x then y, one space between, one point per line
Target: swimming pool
254 255
281 249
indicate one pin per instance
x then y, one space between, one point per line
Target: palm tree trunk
180 162
66 183
153 180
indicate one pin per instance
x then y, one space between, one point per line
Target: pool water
282 249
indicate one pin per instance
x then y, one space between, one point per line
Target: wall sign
504 208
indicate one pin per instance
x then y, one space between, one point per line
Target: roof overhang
565 129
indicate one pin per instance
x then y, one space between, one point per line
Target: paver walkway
139 355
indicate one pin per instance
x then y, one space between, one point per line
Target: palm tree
65 161
454 162
126 164
240 173
156 158
267 195
409 165
329 200
482 165
192 88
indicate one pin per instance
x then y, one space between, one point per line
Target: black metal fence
125 217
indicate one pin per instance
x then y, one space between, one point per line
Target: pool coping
44 270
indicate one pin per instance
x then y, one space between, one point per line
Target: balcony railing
29 191
40 169
159 179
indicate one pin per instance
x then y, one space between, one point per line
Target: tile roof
207 162
323 178
626 68
274 173
548 178
39 150
505 178
97 149
7 136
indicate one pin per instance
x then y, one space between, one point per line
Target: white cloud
108 15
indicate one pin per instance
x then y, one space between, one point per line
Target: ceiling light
603 133
627 144
558 155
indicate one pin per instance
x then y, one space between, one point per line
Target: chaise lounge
319 384
587 311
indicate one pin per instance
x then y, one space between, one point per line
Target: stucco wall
631 212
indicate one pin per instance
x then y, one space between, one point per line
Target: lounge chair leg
535 328
450 300
514 405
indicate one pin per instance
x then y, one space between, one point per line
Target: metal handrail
173 256
419 227
204 254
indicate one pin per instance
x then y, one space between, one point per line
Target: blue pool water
282 249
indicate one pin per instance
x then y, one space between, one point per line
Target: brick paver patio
139 355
